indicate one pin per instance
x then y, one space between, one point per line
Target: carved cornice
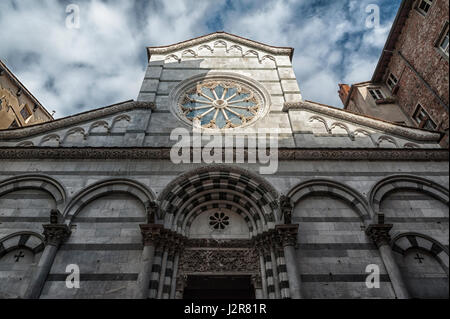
223 36
56 234
74 119
287 235
144 153
213 243
379 233
410 133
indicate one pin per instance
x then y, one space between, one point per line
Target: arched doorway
226 218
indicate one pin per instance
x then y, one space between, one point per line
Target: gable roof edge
74 119
388 127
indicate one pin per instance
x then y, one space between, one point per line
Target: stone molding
411 133
144 153
56 234
379 233
223 36
74 119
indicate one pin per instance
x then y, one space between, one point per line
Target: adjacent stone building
327 198
18 107
410 83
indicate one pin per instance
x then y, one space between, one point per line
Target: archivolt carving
321 120
50 137
119 118
207 47
344 127
221 42
25 144
173 56
73 131
366 133
235 47
387 139
189 52
99 124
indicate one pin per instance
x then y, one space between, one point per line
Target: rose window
219 221
220 105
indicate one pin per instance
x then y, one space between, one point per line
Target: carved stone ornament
56 234
219 260
151 234
379 233
286 208
287 234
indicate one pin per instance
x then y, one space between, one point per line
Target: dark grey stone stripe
327 219
13 219
417 219
341 278
334 246
102 247
95 277
175 173
110 219
22 195
108 134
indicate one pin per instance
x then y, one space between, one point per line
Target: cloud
103 62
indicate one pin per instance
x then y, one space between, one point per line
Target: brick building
18 107
410 83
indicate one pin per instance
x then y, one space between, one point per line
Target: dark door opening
219 287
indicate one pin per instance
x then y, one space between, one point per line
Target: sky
72 70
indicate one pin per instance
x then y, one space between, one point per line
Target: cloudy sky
103 62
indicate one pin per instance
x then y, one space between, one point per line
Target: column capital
379 233
56 234
151 234
287 234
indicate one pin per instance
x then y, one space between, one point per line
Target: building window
424 6
423 119
25 113
376 94
391 81
443 42
14 124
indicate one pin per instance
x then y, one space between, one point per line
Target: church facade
221 181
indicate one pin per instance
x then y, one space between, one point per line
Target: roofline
391 41
23 87
350 92
214 35
27 131
409 132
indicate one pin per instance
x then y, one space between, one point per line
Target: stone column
167 242
288 239
151 234
259 246
379 233
55 235
180 242
181 284
257 284
271 238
